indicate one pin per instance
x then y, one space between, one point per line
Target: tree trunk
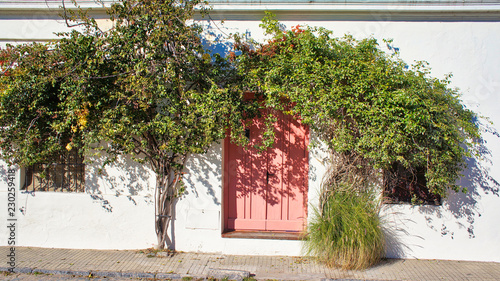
167 180
163 208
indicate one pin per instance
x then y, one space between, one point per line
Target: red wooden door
267 191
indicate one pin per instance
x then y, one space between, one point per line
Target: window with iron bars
403 185
65 174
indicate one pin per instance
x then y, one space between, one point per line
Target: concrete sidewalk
163 265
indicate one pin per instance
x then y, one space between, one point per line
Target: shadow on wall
393 233
466 207
125 177
3 171
201 168
458 212
214 42
318 150
200 171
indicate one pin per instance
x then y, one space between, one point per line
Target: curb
105 274
227 274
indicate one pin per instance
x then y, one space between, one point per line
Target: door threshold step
277 235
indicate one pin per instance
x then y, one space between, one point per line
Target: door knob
267 176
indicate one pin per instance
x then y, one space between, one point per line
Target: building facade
116 210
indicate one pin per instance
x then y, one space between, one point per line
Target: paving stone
106 274
138 275
229 274
49 271
79 273
168 276
23 270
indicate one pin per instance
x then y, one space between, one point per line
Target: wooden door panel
239 180
298 168
276 190
247 224
257 188
285 225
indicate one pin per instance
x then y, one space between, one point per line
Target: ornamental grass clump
345 232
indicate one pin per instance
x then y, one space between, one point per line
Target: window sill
436 204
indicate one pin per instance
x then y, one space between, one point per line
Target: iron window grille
66 174
402 185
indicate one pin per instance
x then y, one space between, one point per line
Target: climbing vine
363 101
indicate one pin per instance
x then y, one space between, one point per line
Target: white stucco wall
117 211
466 226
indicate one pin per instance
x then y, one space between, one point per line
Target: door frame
225 190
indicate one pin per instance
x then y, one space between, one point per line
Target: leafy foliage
34 124
362 100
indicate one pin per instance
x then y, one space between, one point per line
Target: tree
145 88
